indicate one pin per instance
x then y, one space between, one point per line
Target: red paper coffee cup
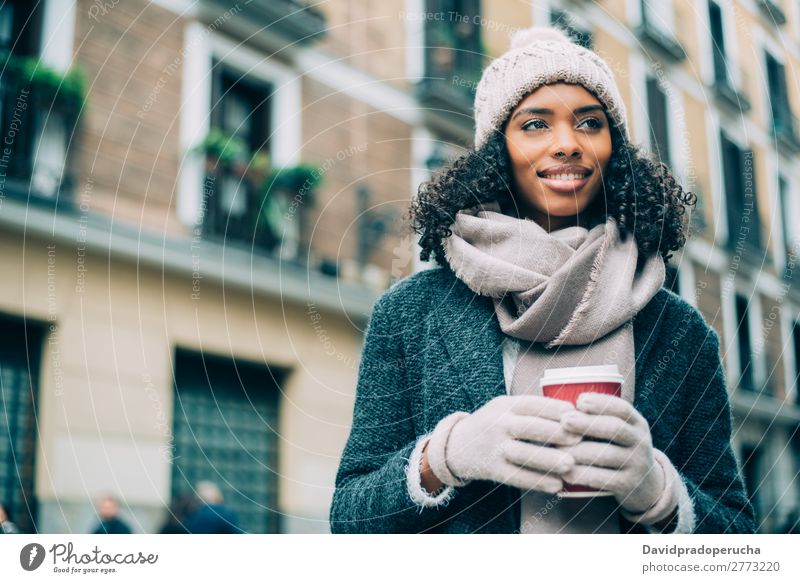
567 384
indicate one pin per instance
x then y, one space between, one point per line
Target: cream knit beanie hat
539 56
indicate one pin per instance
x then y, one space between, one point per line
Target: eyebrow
545 111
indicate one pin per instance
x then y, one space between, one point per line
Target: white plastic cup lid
604 373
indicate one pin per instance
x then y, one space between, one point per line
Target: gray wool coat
433 347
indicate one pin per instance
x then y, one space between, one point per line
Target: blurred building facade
192 251
195 247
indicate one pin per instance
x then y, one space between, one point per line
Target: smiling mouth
565 182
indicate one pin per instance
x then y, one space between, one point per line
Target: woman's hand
510 440
624 461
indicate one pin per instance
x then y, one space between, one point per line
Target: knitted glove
643 480
510 439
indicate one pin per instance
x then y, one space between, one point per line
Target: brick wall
352 144
128 145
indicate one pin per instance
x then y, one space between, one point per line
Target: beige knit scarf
568 296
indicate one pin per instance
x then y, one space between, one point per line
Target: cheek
602 151
523 167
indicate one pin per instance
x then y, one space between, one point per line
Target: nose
566 142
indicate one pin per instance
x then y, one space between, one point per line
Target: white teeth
566 176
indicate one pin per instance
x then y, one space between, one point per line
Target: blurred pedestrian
177 513
211 515
791 524
108 512
6 525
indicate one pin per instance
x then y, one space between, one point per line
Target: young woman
551 235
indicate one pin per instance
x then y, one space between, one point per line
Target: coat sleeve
709 469
372 487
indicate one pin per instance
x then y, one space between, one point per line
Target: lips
568 170
566 179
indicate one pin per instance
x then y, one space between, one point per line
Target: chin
562 213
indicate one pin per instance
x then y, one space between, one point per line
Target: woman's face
559 142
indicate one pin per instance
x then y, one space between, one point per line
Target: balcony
730 94
772 11
791 269
39 113
744 235
658 37
785 127
453 64
745 245
297 21
263 212
251 205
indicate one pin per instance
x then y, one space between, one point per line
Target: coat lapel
470 333
647 328
468 328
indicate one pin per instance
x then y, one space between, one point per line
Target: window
659 120
453 54
744 227
240 110
772 11
225 431
18 38
37 121
782 118
658 27
20 27
786 223
718 42
796 379
746 381
751 468
20 353
726 83
566 22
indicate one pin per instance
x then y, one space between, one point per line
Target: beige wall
369 35
353 144
102 423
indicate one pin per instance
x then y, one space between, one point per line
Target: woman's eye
533 125
595 123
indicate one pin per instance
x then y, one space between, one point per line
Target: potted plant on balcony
49 88
221 150
257 169
283 199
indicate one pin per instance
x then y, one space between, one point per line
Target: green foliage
302 179
298 184
279 191
67 90
225 148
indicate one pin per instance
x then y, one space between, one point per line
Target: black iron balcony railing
744 243
772 11
744 236
259 212
298 21
38 120
657 36
785 126
230 210
726 91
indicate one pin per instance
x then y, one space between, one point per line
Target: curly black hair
640 193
